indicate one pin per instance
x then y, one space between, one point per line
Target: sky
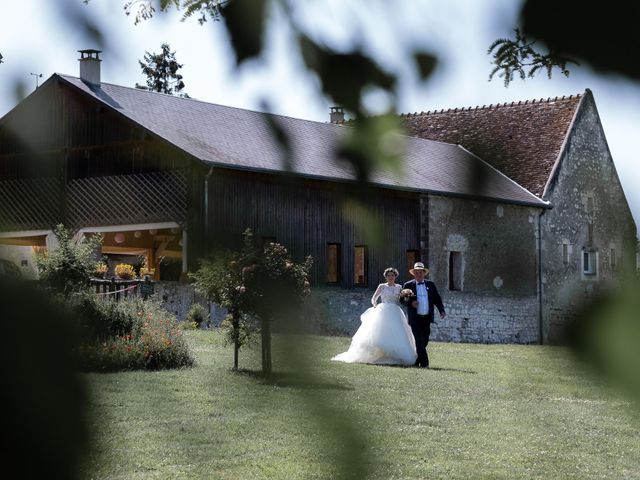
39 37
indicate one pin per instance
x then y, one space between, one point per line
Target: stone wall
488 319
496 243
470 318
177 297
590 214
334 311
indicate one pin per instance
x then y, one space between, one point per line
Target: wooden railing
118 289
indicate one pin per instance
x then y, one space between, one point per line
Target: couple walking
385 335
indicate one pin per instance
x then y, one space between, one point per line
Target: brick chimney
336 114
90 66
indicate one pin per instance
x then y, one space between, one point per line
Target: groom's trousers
421 330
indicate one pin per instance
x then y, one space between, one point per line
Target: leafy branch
144 9
515 56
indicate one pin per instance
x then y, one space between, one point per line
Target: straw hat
418 266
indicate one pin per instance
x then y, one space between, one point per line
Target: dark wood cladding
58 132
306 215
104 165
106 170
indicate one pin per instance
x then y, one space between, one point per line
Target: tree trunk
266 347
236 341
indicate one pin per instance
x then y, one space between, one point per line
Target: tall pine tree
161 70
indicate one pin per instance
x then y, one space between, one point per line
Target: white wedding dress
384 337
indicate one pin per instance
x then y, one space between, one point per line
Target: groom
420 311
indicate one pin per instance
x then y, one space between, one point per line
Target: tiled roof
521 139
242 139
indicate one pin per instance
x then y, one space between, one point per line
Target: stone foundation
484 319
334 311
470 318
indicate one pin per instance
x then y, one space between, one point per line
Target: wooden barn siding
60 136
305 215
58 132
29 134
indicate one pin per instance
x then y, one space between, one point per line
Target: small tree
275 287
68 267
252 283
161 70
219 280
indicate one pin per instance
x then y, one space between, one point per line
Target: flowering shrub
125 271
139 335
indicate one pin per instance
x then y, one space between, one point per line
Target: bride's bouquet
407 296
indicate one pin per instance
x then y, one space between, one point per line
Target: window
590 234
589 263
333 263
613 259
360 265
455 270
565 254
413 256
590 205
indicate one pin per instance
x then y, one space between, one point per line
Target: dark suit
421 324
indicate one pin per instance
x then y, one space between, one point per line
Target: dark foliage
161 70
44 403
602 34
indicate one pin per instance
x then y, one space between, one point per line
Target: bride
384 337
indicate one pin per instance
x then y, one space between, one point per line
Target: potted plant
125 271
101 270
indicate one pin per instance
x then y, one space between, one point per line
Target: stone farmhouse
516 208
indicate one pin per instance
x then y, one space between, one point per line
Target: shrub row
131 334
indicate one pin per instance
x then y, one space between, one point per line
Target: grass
482 411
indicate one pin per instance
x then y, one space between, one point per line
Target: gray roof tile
242 139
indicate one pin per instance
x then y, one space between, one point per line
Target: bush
99 319
128 335
68 267
198 315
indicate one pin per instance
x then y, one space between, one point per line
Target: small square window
613 259
413 256
333 262
589 263
455 270
360 265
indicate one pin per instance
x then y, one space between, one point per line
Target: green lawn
482 411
